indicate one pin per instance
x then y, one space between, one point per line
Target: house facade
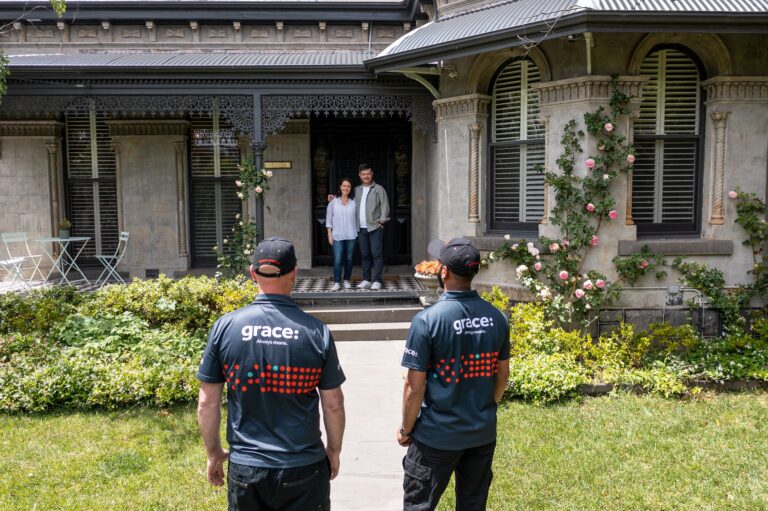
135 118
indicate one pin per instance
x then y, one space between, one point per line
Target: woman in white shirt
342 233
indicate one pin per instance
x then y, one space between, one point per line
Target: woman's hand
330 239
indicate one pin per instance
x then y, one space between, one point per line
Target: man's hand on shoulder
216 467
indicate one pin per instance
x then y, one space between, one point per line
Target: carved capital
736 88
459 106
586 88
719 118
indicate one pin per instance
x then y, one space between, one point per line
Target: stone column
564 100
458 184
151 167
474 172
734 157
719 119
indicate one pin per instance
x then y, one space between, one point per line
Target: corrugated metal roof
511 14
261 59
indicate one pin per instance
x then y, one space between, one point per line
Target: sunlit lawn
618 453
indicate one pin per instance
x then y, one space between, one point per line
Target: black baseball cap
459 255
274 257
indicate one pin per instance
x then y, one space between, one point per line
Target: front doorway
338 147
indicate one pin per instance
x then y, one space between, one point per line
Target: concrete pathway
371 473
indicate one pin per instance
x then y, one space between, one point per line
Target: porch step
369 331
365 314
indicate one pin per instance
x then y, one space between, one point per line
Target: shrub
191 304
658 378
40 310
531 332
544 378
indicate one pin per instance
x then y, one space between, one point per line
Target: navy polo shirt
273 357
458 342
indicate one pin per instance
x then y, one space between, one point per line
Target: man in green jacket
372 212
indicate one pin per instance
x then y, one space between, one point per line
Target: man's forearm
500 383
335 421
209 419
412 400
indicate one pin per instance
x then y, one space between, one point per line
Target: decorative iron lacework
238 110
276 110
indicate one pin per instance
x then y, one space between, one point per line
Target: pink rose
514 247
594 241
566 243
537 266
590 207
608 127
590 163
732 194
587 285
643 264
238 183
578 293
563 275
258 189
613 215
631 159
600 283
554 247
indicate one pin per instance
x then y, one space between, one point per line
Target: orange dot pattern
469 367
271 378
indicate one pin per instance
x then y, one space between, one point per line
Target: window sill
678 247
492 242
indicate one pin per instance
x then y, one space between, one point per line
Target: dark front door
339 146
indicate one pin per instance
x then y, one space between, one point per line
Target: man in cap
457 355
273 359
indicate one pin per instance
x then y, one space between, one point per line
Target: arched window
666 176
517 149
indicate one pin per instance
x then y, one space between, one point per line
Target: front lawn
616 453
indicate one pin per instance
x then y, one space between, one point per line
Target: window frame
525 229
680 229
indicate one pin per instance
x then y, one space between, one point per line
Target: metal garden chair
13 268
110 262
30 261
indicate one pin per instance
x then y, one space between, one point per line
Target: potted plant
426 274
64 227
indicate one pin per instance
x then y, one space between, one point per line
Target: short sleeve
504 349
332 375
417 346
210 366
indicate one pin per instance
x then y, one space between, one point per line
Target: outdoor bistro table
65 262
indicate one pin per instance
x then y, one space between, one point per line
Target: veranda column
456 198
565 100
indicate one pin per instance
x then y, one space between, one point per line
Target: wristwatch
404 433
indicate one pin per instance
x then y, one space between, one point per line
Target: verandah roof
515 22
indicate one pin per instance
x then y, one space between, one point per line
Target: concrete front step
366 314
369 331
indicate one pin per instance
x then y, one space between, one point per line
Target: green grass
617 453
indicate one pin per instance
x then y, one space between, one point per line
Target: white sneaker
364 285
335 286
375 286
347 285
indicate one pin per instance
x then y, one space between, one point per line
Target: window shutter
92 192
215 155
517 189
664 180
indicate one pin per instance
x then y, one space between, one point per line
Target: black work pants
285 489
428 472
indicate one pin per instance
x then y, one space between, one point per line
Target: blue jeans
372 251
343 250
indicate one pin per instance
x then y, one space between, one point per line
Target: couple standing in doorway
359 215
